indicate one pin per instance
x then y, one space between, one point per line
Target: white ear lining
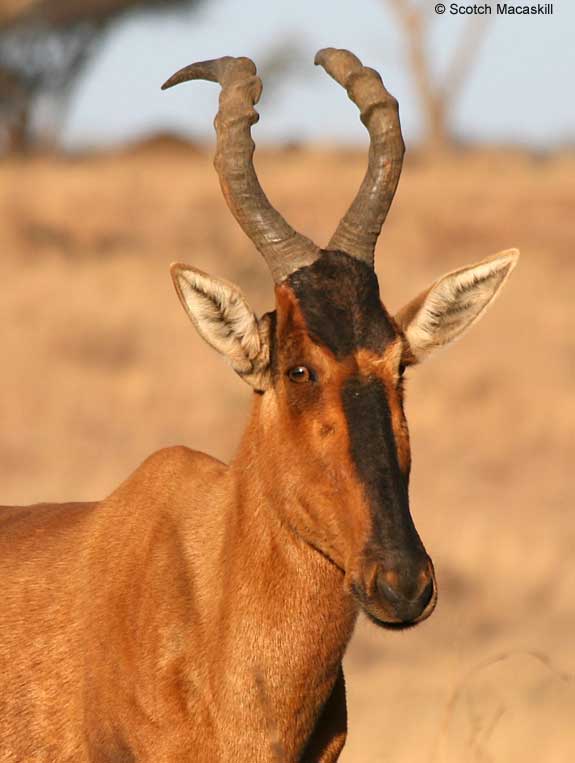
456 301
225 321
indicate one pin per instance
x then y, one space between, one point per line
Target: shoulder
170 469
180 460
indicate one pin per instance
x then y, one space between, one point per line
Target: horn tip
320 55
171 81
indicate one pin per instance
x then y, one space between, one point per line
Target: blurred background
104 180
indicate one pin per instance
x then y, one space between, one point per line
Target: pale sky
521 89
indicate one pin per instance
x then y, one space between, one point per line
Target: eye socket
401 370
300 374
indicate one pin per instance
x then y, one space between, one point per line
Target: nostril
397 596
387 591
408 594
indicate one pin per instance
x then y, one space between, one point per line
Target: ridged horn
360 227
283 248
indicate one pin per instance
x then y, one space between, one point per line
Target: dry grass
100 367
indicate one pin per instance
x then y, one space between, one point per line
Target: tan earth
100 367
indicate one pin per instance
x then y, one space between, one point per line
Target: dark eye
401 369
299 374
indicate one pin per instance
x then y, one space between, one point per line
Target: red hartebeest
201 612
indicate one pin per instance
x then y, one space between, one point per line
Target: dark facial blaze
338 298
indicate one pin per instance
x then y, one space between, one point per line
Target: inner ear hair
223 318
452 304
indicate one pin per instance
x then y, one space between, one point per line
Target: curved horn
283 249
358 230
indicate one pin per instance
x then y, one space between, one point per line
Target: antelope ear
223 318
453 303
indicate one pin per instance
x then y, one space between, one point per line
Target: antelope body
201 612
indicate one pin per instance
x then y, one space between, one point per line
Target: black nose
407 596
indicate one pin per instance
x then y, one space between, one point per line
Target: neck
289 607
263 507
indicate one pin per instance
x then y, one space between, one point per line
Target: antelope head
328 363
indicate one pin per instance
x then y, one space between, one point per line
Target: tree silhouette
437 99
45 46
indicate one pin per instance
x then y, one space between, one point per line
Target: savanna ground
100 367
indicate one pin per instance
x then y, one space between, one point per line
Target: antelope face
327 364
337 366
